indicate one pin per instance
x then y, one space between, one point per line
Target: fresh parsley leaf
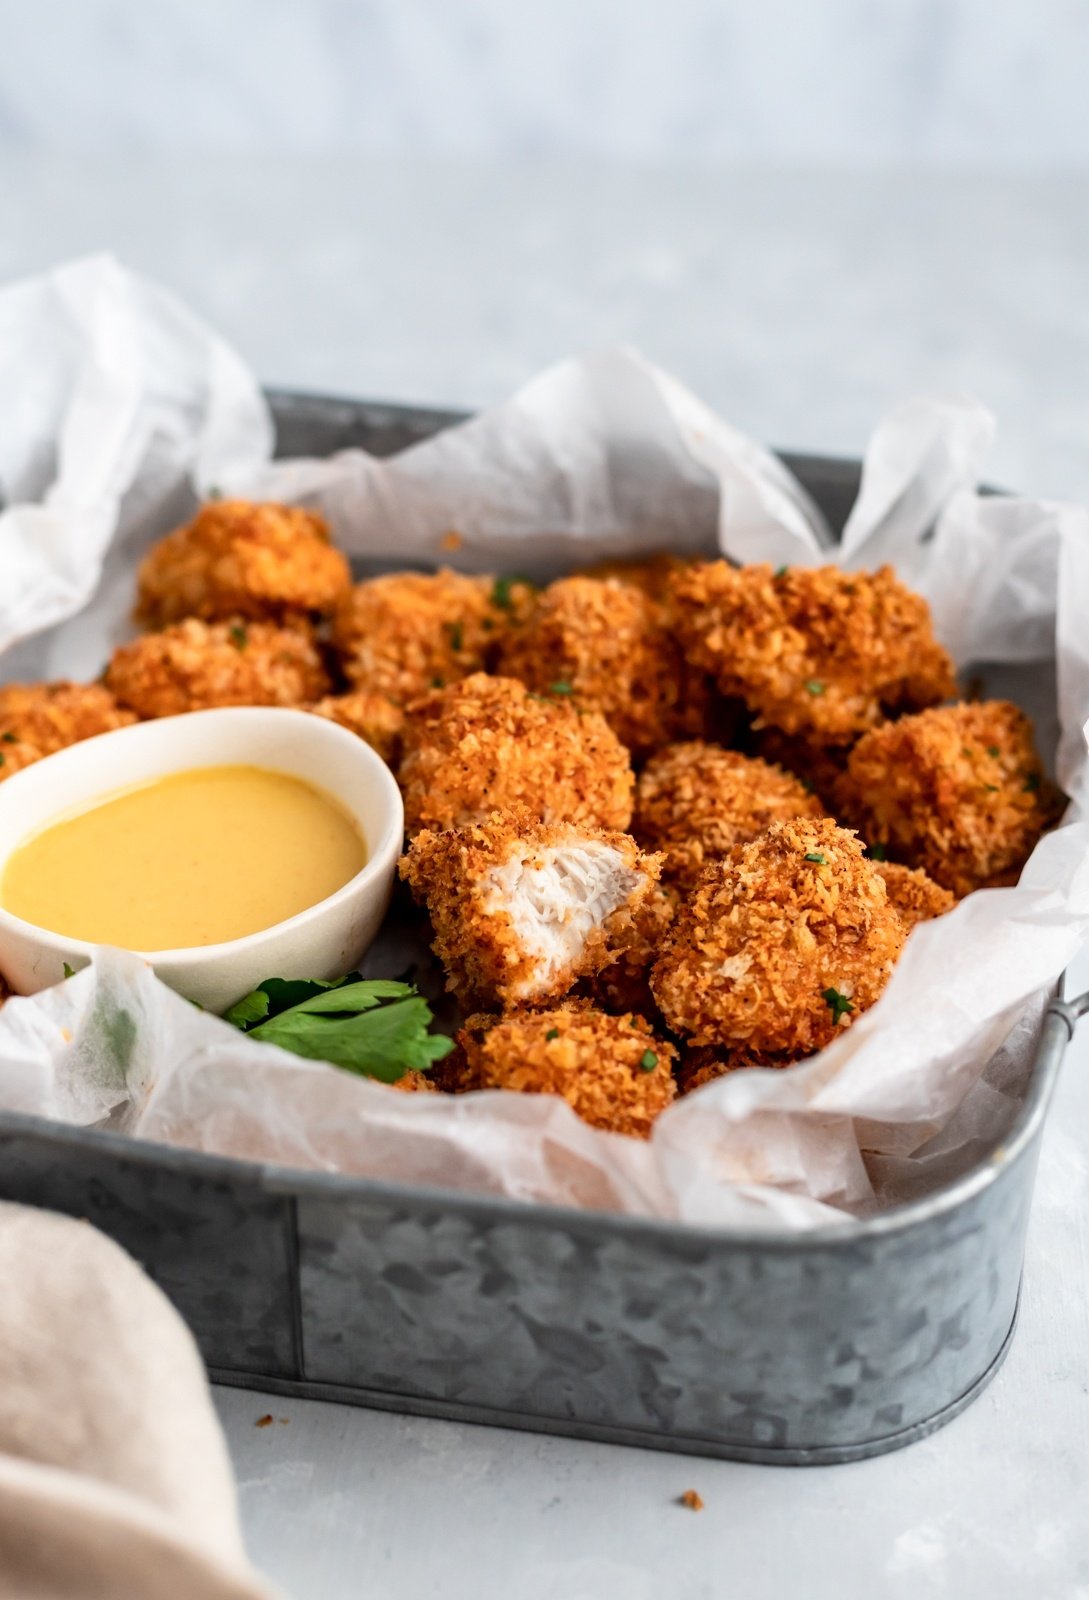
69 972
993 751
438 683
814 686
1031 783
239 637
561 686
991 788
553 1033
781 572
500 595
648 1061
815 855
377 1027
9 737
877 852
454 629
837 1003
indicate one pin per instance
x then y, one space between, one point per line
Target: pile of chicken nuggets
668 819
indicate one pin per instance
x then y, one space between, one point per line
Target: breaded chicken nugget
813 650
240 559
487 743
409 632
193 666
781 945
916 897
604 645
958 791
614 1072
372 717
636 940
696 801
51 716
700 1064
522 909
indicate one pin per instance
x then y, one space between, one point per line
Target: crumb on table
692 1500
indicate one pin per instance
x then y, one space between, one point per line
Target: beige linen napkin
114 1477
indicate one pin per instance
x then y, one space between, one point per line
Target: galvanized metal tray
842 1343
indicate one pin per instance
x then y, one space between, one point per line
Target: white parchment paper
115 402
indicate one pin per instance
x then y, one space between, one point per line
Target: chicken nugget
813 650
958 791
51 716
916 897
371 717
782 944
614 1072
241 559
605 645
408 632
695 801
522 909
636 940
487 743
194 666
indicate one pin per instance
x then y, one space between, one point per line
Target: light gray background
805 210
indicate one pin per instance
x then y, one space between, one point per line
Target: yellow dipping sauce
191 859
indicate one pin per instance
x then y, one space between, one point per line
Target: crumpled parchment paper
115 402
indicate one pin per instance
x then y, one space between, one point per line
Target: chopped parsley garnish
238 636
2 758
438 683
553 1033
1031 783
561 686
69 972
991 788
648 1061
837 1003
806 785
9 737
781 572
815 855
814 686
876 852
454 629
374 1027
500 595
993 751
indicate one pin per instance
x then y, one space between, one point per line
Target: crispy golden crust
653 574
958 791
240 559
819 768
813 650
487 744
409 632
636 940
700 1064
15 754
193 666
371 716
614 1072
696 801
916 897
51 716
483 940
415 1083
773 946
604 645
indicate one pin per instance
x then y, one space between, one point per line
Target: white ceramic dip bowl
325 941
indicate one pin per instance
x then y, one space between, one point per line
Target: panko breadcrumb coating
614 1072
781 945
916 897
653 574
372 717
522 909
415 1083
194 666
15 754
487 744
700 1064
51 716
636 940
696 801
813 650
604 645
408 632
958 791
242 559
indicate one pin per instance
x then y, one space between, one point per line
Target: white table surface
800 305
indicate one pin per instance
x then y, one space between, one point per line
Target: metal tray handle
1070 1010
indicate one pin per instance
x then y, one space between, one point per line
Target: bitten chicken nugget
522 909
916 897
241 559
408 632
605 645
958 791
813 650
696 801
614 1072
372 717
487 743
51 716
636 940
193 666
781 945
